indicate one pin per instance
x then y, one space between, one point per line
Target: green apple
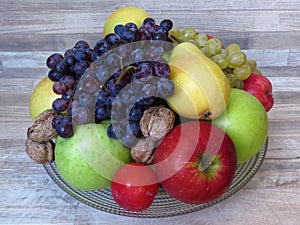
124 15
42 97
246 122
89 159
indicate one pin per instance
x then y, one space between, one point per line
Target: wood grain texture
268 31
57 42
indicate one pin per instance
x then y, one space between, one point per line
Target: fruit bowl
146 83
163 205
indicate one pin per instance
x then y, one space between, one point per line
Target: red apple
134 186
196 162
260 87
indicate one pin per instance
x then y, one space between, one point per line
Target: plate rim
255 163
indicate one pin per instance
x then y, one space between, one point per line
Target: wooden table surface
268 31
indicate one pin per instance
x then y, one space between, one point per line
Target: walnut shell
142 152
40 152
156 122
41 129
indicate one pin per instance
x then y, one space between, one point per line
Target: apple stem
204 165
206 114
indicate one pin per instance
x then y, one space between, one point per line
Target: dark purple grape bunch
115 52
74 62
130 33
151 31
65 71
149 86
92 82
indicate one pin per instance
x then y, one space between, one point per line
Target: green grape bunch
232 60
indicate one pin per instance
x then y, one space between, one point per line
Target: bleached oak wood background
268 31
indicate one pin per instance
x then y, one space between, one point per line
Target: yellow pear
42 97
124 15
201 88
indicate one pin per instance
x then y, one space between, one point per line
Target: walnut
156 122
40 152
41 129
143 151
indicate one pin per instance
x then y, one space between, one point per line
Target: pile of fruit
149 105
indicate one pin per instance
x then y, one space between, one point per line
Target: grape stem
124 71
175 39
228 70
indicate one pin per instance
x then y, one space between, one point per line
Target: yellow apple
201 88
42 97
124 15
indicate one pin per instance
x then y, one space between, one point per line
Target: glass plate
163 205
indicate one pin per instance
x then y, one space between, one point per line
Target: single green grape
205 51
223 52
201 38
221 60
236 59
213 46
175 32
231 79
251 63
242 72
187 34
232 48
240 84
